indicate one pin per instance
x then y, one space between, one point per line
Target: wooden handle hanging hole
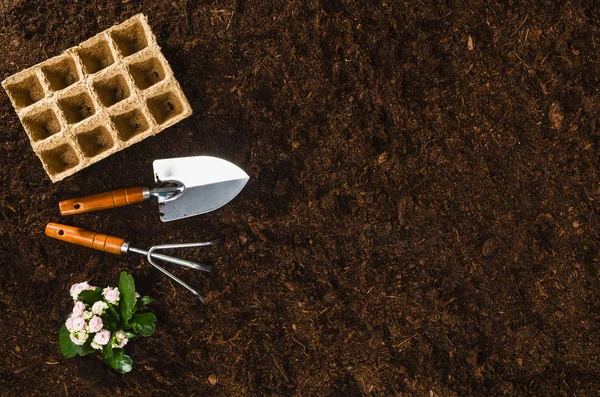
86 238
76 206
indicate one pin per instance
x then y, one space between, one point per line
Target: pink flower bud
99 307
102 337
78 309
120 335
111 295
78 324
79 338
96 346
77 288
69 324
95 324
123 343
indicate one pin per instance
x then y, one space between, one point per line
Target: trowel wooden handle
102 201
75 235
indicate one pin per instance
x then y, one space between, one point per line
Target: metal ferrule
146 193
125 248
167 190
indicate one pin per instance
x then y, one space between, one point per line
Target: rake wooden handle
75 235
102 201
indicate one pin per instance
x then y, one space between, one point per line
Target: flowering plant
104 320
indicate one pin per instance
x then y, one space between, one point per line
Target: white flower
95 324
120 339
121 344
99 307
102 337
78 309
77 288
96 346
86 315
79 338
78 324
111 295
69 324
120 335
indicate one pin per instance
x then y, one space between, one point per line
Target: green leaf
119 361
141 302
90 296
127 296
67 347
130 335
86 348
111 326
107 350
112 314
144 323
70 349
111 319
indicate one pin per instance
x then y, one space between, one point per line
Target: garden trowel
186 186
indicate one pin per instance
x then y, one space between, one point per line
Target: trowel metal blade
210 183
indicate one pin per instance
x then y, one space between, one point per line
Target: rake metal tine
199 266
183 262
193 291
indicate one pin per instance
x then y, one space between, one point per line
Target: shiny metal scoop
208 183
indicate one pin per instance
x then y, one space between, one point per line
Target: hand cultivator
118 246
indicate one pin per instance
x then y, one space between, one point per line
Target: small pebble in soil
383 157
556 115
212 379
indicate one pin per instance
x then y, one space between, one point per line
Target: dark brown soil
421 217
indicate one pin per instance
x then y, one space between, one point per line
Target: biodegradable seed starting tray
95 99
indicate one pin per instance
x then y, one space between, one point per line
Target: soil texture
421 215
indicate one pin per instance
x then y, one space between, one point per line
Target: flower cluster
105 320
86 322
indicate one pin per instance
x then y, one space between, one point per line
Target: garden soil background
421 215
